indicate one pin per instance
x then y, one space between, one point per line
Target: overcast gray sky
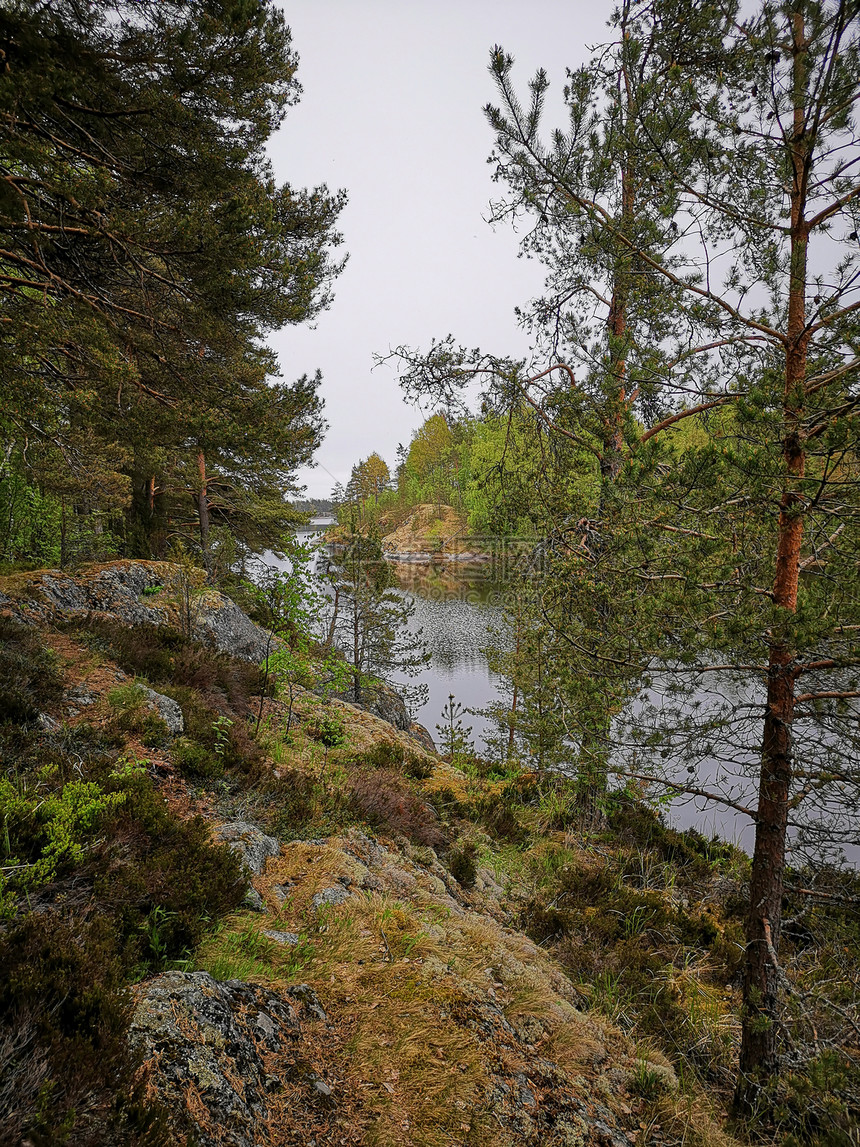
391 111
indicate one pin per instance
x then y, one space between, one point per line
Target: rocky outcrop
384 702
422 736
138 593
220 622
217 1054
430 532
168 710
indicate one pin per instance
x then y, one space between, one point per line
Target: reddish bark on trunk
759 1059
203 512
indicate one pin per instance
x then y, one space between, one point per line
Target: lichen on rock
216 1053
249 842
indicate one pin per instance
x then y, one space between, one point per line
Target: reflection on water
456 608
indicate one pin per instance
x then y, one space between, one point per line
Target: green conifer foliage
704 346
145 247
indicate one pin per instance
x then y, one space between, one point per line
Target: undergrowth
101 884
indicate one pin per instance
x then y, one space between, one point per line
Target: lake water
456 609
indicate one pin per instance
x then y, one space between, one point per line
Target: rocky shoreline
428 535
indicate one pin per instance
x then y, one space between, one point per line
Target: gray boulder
80 695
221 623
249 842
113 590
253 901
139 593
168 710
290 938
384 702
217 1051
422 735
330 896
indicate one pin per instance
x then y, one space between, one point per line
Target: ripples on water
456 610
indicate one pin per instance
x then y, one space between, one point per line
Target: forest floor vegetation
492 968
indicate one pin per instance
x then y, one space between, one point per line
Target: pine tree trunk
759 1057
356 654
203 513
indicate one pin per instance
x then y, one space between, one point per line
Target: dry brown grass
686 1120
400 977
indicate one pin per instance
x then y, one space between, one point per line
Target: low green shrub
104 884
328 730
44 831
301 806
195 760
463 863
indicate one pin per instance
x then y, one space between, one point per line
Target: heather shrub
387 803
225 736
462 863
132 712
392 755
67 1075
29 677
195 760
163 655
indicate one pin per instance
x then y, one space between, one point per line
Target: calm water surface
457 608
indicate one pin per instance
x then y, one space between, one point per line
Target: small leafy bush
45 832
195 760
329 731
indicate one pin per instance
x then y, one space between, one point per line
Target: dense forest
678 463
147 251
